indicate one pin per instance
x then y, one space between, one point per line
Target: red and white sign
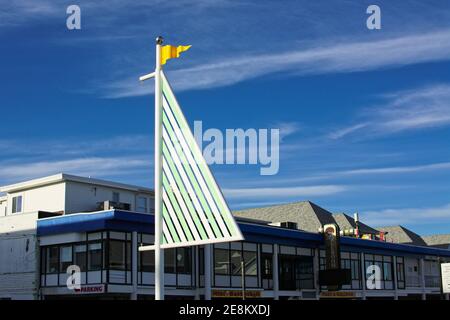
91 289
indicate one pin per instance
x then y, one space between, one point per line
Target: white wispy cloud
93 166
340 133
286 128
284 192
341 57
407 216
90 156
425 107
76 146
399 169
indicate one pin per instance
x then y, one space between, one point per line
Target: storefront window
169 261
65 254
221 262
296 268
400 273
80 257
266 265
184 261
52 260
251 266
95 256
305 272
147 261
236 263
117 255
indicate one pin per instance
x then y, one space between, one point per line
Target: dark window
201 261
116 197
400 273
266 266
117 255
287 272
43 260
95 256
147 261
296 272
305 272
80 256
128 244
169 261
184 260
353 264
65 257
221 261
52 260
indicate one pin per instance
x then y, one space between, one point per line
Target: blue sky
365 114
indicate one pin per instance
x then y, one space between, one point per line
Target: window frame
15 203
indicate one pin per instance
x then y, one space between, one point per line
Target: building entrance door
287 273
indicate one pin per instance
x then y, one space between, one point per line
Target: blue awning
126 221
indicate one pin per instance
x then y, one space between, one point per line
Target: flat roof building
98 226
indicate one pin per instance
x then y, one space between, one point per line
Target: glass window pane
116 197
52 260
236 260
305 272
17 204
387 272
147 261
128 266
184 264
266 265
116 255
65 258
169 261
221 262
95 256
141 204
80 257
251 266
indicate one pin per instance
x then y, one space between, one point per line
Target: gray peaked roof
438 241
399 234
346 222
308 216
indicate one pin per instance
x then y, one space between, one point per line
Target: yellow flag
169 52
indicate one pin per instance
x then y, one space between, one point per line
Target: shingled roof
400 234
308 216
438 241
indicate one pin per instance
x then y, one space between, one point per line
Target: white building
61 194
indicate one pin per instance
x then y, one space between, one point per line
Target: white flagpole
159 254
